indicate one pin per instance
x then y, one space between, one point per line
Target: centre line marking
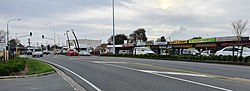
180 79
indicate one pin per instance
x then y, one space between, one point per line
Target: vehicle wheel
41 55
33 56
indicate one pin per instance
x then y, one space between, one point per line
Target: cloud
93 18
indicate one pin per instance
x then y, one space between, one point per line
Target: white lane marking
180 79
174 73
92 85
105 62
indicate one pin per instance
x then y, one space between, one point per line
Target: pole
68 38
78 49
8 43
113 8
54 35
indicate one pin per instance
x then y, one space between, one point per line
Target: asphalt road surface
133 74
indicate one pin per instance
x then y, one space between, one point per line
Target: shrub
14 65
241 59
246 59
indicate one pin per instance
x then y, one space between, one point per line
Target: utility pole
68 38
78 48
113 9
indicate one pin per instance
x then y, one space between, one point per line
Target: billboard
222 39
179 42
202 40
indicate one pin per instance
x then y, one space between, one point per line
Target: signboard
160 43
202 40
140 44
179 42
128 45
221 39
206 45
182 46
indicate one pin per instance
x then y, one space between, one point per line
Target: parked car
37 53
190 52
125 52
64 50
208 52
143 50
46 52
84 53
71 52
29 52
229 51
95 52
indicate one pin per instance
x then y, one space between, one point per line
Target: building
84 43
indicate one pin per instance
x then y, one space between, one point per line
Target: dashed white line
175 73
180 79
108 62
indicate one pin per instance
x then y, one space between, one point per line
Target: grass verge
37 67
23 66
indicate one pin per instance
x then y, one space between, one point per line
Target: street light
113 9
54 32
8 44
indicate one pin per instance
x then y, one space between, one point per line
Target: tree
239 27
138 36
119 39
132 38
13 43
162 39
2 36
197 37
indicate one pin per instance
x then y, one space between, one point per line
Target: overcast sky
92 19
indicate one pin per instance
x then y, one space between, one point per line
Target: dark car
94 52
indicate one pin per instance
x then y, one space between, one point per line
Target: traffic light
30 34
42 36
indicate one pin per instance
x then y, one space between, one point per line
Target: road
133 74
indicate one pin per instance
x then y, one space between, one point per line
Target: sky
92 19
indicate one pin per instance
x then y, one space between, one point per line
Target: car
208 52
142 50
71 52
64 50
46 52
125 52
190 52
229 51
94 52
29 52
37 53
84 53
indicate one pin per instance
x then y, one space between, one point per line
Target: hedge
186 57
14 65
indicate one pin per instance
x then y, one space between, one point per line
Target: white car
125 52
37 53
142 50
229 51
208 52
84 53
190 52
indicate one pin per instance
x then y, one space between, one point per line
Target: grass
24 66
37 67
